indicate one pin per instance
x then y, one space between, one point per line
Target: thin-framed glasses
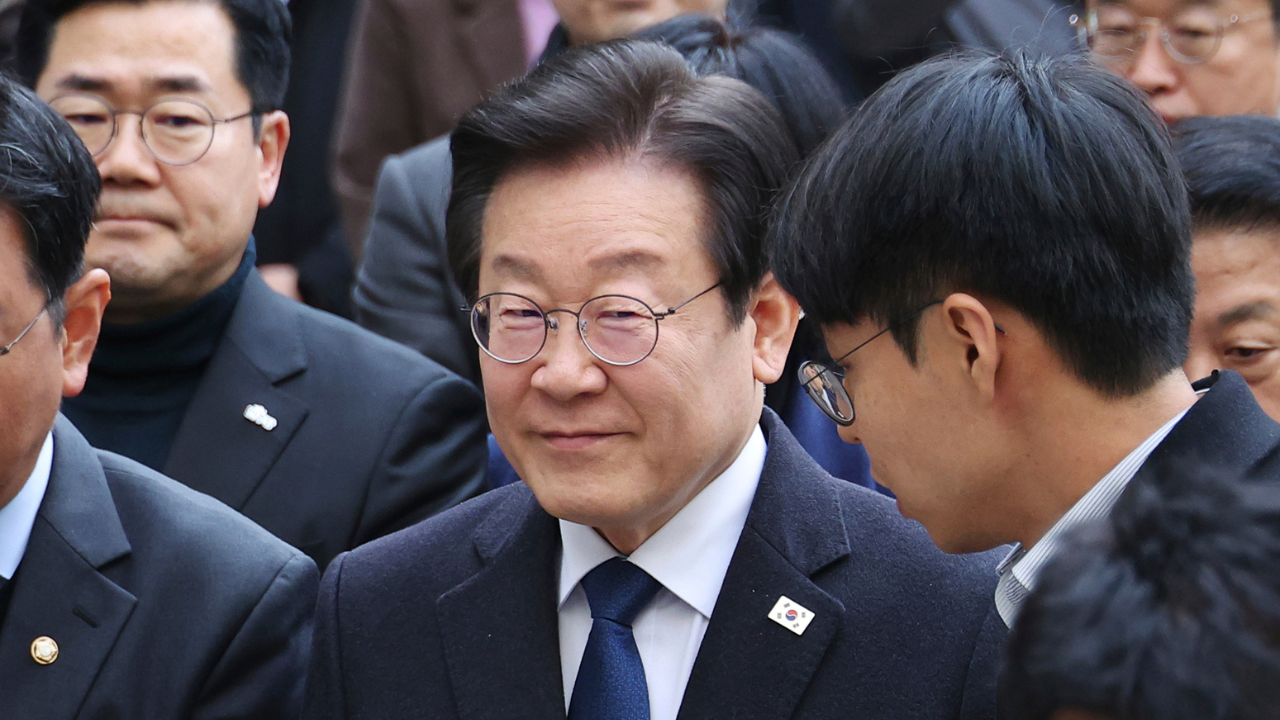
5 350
1114 35
617 329
176 131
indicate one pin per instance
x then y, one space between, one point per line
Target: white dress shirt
19 516
1019 570
689 556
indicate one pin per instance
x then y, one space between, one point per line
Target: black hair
47 178
1232 165
629 98
1168 610
263 33
772 61
1043 183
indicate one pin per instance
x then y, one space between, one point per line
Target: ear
273 140
84 303
971 329
775 314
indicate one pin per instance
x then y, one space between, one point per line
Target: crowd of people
610 430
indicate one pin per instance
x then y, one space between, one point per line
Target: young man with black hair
1169 609
123 594
1232 166
324 433
1018 228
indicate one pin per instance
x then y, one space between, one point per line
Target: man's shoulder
172 526
431 157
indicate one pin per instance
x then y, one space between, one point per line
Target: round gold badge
44 650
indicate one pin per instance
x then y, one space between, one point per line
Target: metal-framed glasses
5 350
1115 35
176 131
617 329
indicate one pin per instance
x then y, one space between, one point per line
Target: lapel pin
44 650
791 615
259 416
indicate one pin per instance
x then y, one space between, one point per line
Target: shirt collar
1021 567
19 516
689 555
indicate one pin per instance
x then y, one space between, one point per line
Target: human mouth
569 441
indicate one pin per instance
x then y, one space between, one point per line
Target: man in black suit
123 594
323 433
674 552
1038 294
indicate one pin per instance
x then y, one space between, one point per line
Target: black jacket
164 603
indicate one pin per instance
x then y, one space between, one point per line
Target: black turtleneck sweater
142 377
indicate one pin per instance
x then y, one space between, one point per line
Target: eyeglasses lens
826 390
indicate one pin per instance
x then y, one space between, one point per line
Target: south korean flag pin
791 615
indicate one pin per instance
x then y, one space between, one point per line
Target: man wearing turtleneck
323 433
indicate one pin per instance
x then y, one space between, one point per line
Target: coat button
44 650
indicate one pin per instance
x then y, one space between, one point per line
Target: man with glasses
123 594
998 250
323 433
674 551
1190 57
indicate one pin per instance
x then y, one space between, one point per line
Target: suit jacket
368 436
164 603
457 618
413 68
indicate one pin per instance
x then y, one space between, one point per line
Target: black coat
369 437
456 617
164 603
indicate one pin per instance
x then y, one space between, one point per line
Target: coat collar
500 626
1225 429
60 592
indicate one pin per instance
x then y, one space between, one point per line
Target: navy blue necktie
611 683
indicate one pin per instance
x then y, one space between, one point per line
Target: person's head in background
592 21
1190 57
1232 166
1168 610
182 184
774 62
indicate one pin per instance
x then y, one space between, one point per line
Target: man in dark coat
674 552
323 433
123 594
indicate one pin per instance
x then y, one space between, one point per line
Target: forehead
151 48
1236 267
1162 8
570 225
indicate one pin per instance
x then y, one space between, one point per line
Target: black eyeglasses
825 385
177 131
617 329
5 350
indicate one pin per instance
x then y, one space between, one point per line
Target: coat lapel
59 591
217 450
500 627
748 665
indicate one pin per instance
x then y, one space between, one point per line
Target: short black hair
263 34
1169 609
629 98
1044 183
1232 166
776 63
47 178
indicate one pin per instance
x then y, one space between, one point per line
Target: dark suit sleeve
403 288
262 674
979 701
326 693
434 458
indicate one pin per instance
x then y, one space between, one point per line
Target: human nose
1153 70
127 160
568 369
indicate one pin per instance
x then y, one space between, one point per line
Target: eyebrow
168 84
631 260
1251 311
511 265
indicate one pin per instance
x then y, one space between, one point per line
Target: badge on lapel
44 650
259 416
791 615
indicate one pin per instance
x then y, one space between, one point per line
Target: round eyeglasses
177 132
1114 35
5 349
617 329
